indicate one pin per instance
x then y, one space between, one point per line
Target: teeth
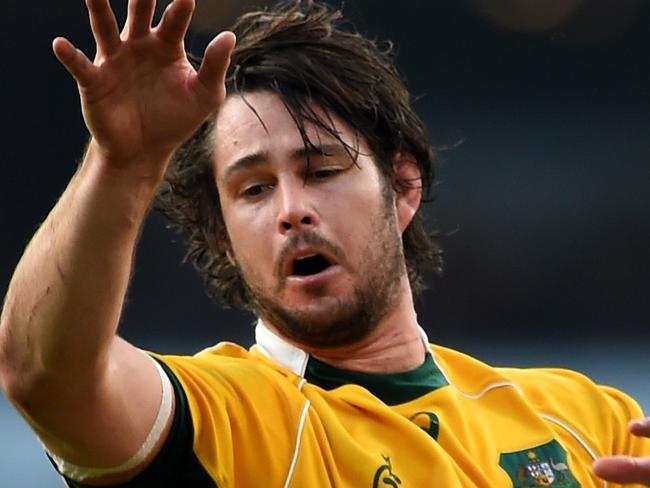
305 257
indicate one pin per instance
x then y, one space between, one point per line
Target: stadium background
544 191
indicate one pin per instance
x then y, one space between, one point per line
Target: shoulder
544 387
227 395
229 374
228 362
565 397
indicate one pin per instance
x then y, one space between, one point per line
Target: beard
347 319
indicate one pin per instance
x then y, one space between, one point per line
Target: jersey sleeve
176 464
245 411
623 408
599 413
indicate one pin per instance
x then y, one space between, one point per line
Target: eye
254 190
321 174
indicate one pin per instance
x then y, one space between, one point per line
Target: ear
230 257
408 186
225 245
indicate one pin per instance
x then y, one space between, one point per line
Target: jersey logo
384 475
428 422
544 465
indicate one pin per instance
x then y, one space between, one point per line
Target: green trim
176 464
392 389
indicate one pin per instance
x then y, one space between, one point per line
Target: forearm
65 299
92 397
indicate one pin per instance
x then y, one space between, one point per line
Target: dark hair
301 52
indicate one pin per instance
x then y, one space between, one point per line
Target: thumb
623 469
76 62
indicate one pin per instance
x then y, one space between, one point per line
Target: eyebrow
261 158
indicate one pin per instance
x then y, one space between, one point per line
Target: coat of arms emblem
539 466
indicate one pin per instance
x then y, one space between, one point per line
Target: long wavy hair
304 53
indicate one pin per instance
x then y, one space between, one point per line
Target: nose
295 208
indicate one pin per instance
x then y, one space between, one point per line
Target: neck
394 346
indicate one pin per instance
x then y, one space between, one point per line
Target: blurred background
544 192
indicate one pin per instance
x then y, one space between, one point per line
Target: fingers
212 74
138 20
175 21
623 469
640 427
76 62
104 25
627 469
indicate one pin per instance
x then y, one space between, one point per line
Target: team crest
544 465
428 422
385 477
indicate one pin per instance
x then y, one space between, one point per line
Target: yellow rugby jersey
272 416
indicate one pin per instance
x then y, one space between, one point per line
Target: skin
274 205
627 469
91 396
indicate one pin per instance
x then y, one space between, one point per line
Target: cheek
249 238
356 219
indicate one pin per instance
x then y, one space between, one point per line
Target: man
299 190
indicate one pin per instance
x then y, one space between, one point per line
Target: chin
325 322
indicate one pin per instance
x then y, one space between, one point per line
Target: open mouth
310 265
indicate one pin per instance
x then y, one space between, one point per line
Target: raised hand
627 469
141 98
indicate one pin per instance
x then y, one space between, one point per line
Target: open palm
141 97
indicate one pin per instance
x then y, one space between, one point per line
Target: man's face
317 244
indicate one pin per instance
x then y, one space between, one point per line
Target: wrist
127 167
126 187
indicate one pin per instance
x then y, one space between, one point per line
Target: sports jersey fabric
273 416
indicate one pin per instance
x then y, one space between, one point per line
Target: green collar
392 389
